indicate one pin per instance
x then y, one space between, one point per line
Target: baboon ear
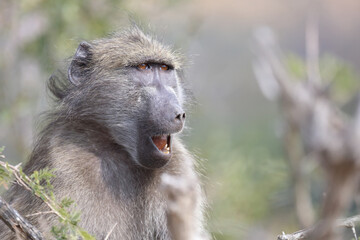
78 68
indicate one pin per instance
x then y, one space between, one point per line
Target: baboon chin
113 132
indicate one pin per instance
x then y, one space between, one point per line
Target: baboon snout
179 120
172 116
180 116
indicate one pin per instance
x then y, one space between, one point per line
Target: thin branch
306 233
297 164
27 182
312 49
17 223
109 233
24 182
40 213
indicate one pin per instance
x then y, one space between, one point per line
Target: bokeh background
233 129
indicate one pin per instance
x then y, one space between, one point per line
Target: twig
28 183
21 181
17 223
297 164
109 233
40 213
312 49
305 233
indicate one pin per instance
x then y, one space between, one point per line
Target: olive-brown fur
90 140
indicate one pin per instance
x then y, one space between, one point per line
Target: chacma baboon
112 133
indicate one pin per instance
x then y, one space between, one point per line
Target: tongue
160 141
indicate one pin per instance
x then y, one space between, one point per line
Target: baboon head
129 84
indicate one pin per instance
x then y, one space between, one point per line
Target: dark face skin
140 105
162 113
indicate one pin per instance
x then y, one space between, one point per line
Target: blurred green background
233 129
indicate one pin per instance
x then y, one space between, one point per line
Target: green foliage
245 176
296 66
341 74
338 73
5 172
68 228
250 182
83 18
39 182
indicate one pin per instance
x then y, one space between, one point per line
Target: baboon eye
143 66
164 67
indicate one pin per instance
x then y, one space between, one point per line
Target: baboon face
161 113
138 99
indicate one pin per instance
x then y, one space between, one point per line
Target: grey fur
91 139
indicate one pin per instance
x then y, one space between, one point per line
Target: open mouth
163 143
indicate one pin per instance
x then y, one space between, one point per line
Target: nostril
178 117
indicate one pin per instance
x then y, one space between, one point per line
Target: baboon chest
135 214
